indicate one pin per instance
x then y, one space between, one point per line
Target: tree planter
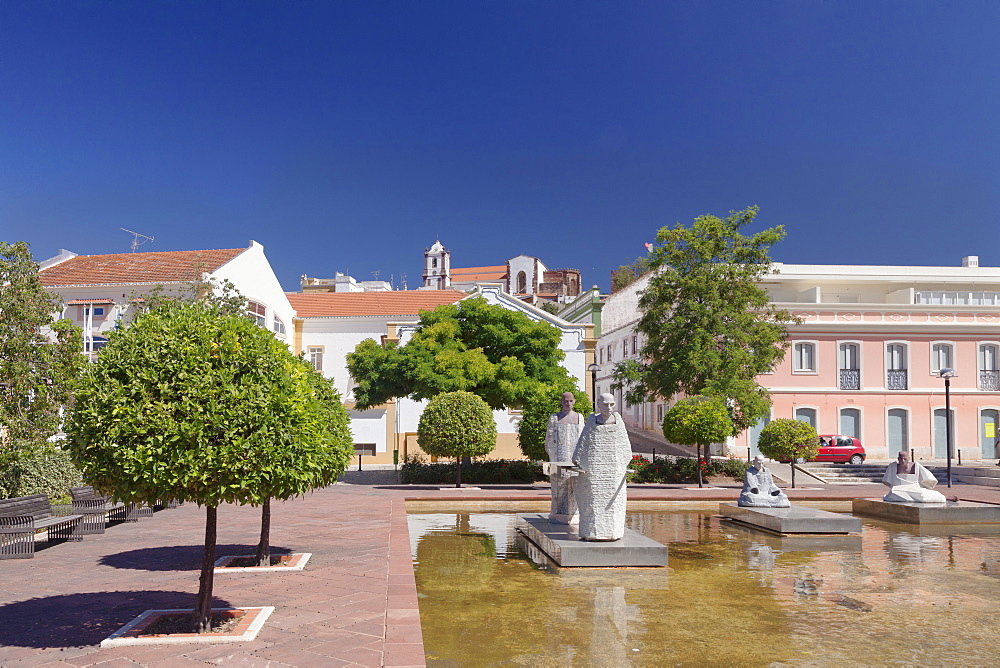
251 620
286 562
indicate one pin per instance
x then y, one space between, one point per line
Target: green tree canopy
708 327
191 402
535 418
788 440
698 421
457 424
502 356
37 375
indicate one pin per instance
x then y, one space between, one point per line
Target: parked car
837 448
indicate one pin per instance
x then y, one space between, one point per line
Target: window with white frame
958 298
316 357
659 413
895 367
624 348
279 327
97 311
257 313
988 356
600 356
635 345
804 356
941 356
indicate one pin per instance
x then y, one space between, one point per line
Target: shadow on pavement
176 557
82 619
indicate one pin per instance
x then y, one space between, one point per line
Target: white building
330 325
99 291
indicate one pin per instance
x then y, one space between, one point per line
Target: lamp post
593 368
947 374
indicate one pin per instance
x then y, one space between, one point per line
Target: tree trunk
793 473
699 465
203 609
264 546
458 468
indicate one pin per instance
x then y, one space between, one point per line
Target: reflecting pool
898 595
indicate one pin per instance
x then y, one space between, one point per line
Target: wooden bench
21 517
97 510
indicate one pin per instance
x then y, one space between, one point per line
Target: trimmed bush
43 470
535 419
457 424
416 471
683 469
786 439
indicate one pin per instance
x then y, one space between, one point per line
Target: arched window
522 282
850 422
807 415
257 312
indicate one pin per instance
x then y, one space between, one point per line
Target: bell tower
437 267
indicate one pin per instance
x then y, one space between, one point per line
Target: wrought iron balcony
895 379
850 379
989 381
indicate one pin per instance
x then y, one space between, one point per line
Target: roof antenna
135 238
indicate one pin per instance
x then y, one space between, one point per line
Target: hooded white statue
910 482
759 490
603 453
561 437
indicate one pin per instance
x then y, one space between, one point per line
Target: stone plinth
952 512
562 544
793 520
796 542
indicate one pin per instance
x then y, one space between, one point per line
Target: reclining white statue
910 482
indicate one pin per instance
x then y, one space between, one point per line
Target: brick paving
355 604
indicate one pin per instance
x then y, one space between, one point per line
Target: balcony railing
895 379
989 381
850 379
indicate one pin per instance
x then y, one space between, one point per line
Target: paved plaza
354 605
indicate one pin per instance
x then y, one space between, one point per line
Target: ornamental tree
194 403
535 418
502 356
708 326
457 424
698 421
786 439
37 373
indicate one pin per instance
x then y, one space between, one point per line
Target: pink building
865 360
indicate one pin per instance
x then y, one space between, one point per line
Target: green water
730 596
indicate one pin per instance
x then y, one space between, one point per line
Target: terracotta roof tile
82 302
463 274
125 268
396 303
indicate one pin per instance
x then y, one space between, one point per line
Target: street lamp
593 368
947 374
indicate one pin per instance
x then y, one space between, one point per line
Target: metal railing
989 381
850 379
895 379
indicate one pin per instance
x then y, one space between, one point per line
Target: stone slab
952 512
563 545
793 520
796 542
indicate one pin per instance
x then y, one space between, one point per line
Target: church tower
437 267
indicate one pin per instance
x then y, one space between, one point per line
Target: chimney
970 261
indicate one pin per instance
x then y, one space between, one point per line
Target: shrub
683 469
42 470
457 424
698 421
787 439
416 471
535 419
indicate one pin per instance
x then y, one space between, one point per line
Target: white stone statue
561 437
603 455
910 482
759 490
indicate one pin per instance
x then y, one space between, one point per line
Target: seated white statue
759 490
910 482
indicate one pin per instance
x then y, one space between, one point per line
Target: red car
836 448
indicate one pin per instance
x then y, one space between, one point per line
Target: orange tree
698 421
195 403
788 439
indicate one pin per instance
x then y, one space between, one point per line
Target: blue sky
347 136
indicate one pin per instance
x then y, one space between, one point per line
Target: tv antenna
135 238
402 279
376 273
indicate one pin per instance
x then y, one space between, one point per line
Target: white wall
252 275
